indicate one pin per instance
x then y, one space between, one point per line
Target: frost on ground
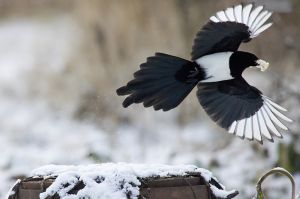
115 181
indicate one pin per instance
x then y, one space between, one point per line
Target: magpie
216 68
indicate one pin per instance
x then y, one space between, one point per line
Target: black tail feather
123 90
157 84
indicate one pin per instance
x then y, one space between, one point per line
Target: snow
113 180
221 193
11 192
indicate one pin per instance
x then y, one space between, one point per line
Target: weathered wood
176 188
188 192
188 187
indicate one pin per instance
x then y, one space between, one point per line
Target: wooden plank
186 192
188 187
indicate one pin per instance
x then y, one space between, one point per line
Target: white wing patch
262 123
238 13
253 17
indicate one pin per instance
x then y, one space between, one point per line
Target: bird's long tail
162 82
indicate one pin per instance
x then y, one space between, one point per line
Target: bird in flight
216 68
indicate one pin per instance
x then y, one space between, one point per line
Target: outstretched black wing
219 37
241 109
228 29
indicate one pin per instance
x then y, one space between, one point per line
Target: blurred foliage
96 157
260 195
289 158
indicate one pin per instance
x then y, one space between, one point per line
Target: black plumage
162 82
219 37
216 66
229 100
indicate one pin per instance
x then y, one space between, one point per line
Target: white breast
216 66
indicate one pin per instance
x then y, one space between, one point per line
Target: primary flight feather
216 67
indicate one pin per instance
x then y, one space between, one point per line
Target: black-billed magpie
216 67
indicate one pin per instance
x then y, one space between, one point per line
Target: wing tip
127 102
252 12
270 139
124 90
260 141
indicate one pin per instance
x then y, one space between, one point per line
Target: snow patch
113 180
11 192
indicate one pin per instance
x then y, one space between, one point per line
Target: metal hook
282 171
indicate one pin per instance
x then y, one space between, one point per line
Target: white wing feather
230 14
254 18
240 128
262 123
238 13
246 13
254 14
248 130
221 15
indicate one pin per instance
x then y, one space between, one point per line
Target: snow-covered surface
113 180
12 192
35 132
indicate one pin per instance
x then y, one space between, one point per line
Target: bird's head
240 60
